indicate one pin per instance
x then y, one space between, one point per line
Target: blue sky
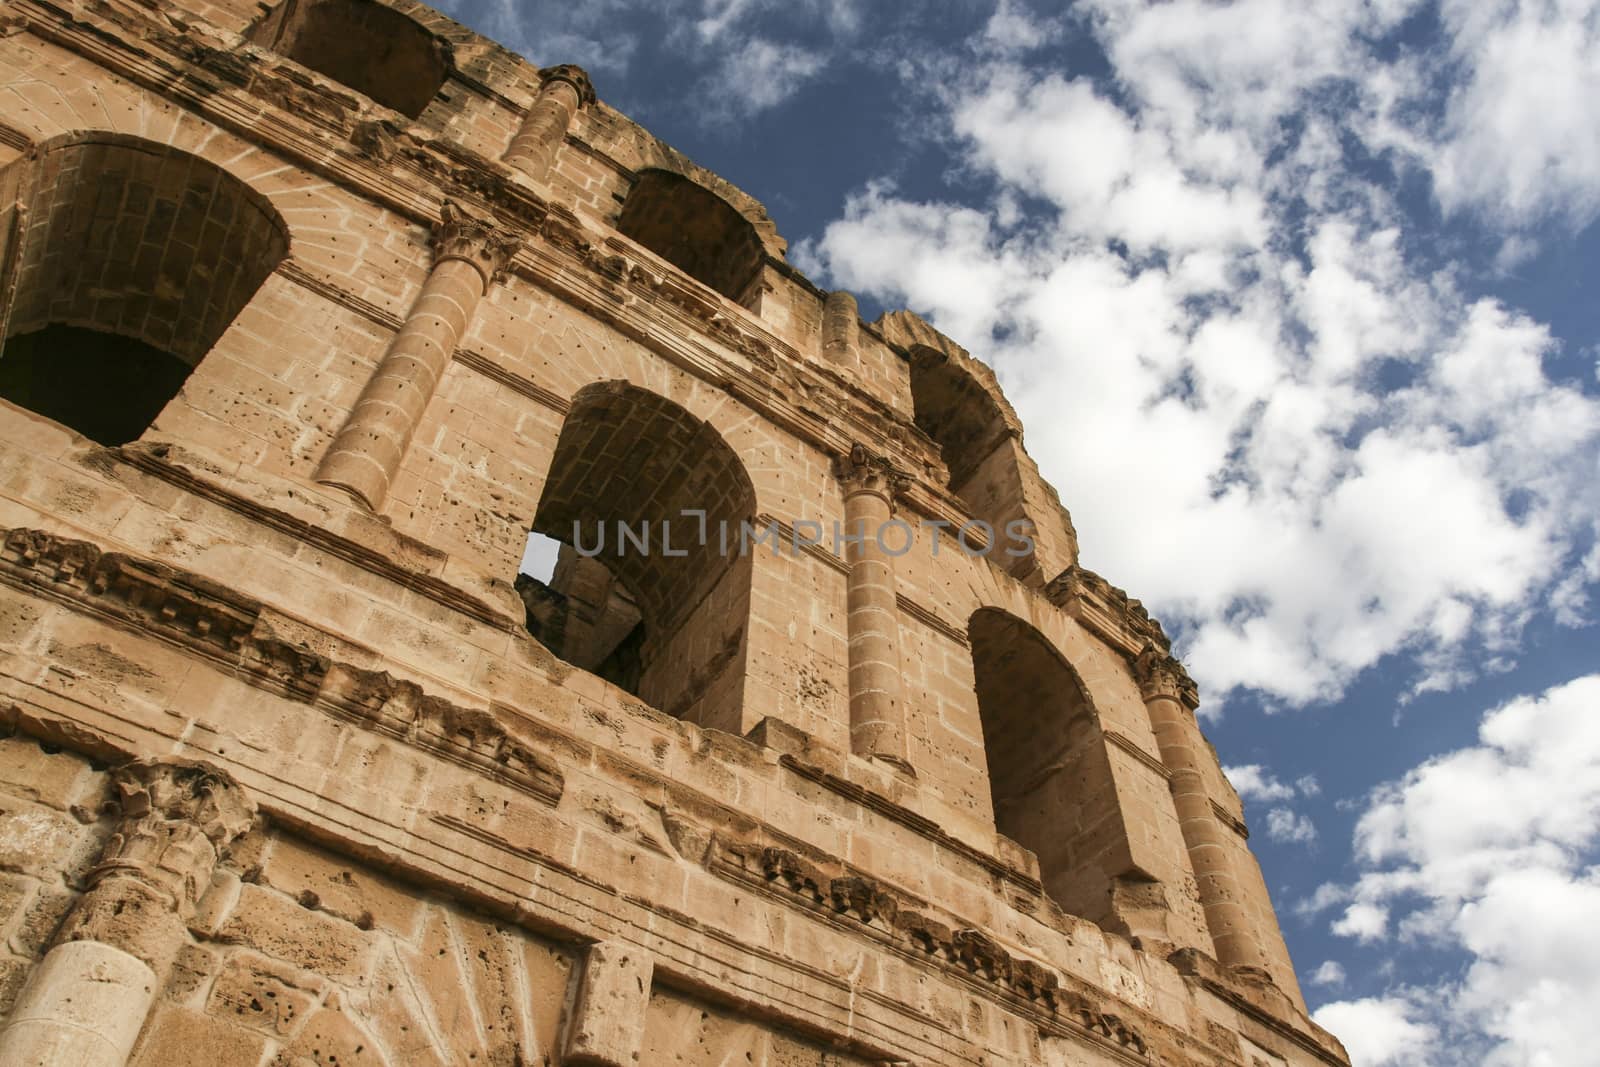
1297 302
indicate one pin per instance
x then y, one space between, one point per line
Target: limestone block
178 1037
607 1028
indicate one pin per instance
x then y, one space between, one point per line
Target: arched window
695 230
1048 771
368 46
978 446
661 608
135 258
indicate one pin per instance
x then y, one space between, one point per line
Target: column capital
574 76
1161 675
860 471
459 235
177 817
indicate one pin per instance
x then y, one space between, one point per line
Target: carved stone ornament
574 76
177 818
863 472
1161 675
473 240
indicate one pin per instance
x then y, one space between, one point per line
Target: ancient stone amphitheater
836 755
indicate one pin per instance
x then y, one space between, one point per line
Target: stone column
841 331
1171 698
86 1001
468 254
562 91
877 711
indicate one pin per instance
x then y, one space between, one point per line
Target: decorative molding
931 620
222 626
787 536
460 235
860 471
1108 612
1161 676
1230 820
1132 748
574 76
152 461
831 891
176 818
912 821
526 387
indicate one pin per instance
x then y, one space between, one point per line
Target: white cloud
1014 28
1518 141
1330 973
1364 922
758 74
1254 782
1379 1032
1287 827
1490 850
1362 461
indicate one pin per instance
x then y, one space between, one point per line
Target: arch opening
979 449
134 260
365 45
643 592
695 230
1048 773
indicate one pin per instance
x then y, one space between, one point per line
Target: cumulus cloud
1255 782
1330 973
1379 1031
1288 827
1518 141
759 74
1361 460
1490 850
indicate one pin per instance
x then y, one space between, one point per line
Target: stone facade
312 311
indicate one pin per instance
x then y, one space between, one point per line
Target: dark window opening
368 46
134 261
695 230
1048 772
107 388
665 622
977 445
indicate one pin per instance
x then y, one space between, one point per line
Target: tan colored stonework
300 345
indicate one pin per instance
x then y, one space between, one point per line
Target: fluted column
468 254
562 91
877 710
1171 698
86 1001
841 331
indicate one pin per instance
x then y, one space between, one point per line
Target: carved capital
177 819
863 472
473 240
1160 675
574 76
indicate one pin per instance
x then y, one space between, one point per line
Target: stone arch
1049 774
662 610
695 230
136 257
365 45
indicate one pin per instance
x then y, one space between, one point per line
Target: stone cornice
224 627
1108 612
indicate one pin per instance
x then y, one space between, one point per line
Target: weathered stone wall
784 845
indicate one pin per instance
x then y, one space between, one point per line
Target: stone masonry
312 310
